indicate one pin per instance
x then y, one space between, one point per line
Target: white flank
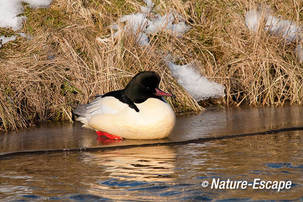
154 120
196 85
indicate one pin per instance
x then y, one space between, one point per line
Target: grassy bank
63 65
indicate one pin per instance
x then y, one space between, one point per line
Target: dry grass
63 65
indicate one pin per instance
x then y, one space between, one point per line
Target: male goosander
138 111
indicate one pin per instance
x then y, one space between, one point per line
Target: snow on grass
141 25
9 11
253 19
134 23
196 85
299 53
38 3
4 39
148 8
10 14
287 29
180 28
25 35
166 23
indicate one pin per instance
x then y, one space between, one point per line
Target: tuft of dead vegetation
63 65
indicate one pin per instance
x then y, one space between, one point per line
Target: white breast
155 119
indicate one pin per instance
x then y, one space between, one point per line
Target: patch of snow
165 23
27 36
196 85
38 3
4 40
160 23
253 19
148 8
140 24
134 22
285 28
180 28
299 53
10 11
143 39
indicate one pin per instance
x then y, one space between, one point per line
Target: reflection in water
133 170
148 164
159 172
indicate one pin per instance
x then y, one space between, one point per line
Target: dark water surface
158 172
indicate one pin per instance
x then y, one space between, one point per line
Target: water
150 171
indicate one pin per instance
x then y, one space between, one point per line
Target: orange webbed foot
109 136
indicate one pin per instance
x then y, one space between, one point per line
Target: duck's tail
80 114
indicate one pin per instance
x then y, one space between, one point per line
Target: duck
139 111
